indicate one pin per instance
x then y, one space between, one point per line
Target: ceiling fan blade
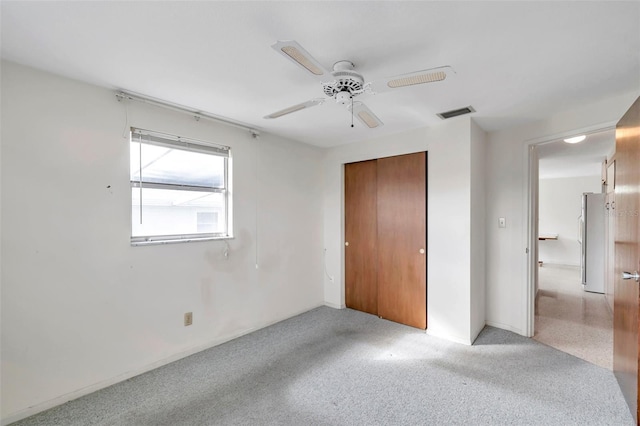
298 107
291 50
419 77
365 115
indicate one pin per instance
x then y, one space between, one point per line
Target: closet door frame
395 272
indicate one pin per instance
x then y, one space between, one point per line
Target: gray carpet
342 367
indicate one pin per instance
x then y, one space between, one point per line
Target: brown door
402 281
361 279
610 235
627 255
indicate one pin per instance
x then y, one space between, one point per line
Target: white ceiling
560 160
514 61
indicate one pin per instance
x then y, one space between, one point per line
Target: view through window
179 188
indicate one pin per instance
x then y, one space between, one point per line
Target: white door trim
530 215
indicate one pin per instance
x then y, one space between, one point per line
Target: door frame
530 163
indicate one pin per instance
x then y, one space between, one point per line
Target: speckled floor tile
570 319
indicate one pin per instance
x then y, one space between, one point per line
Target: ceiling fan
343 84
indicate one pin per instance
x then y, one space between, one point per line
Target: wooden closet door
402 231
361 282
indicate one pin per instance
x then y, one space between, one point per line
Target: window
206 220
179 189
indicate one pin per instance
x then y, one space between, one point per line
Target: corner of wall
478 229
476 330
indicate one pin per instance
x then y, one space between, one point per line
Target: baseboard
334 305
38 408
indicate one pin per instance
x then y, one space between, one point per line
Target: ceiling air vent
456 112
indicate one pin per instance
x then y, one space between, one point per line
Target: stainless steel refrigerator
591 238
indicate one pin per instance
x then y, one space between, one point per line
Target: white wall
478 234
448 219
560 201
81 307
507 172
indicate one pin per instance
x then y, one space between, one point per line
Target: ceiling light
575 139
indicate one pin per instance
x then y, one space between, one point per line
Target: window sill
178 240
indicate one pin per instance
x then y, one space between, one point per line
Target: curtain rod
120 95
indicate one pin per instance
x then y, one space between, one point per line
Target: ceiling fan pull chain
351 111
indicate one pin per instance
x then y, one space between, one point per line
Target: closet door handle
421 251
346 243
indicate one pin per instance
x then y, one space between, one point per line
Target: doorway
570 311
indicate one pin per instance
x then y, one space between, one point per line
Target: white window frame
192 145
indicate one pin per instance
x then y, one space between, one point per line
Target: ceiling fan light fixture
347 83
300 58
417 79
575 139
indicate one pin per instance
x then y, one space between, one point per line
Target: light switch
502 222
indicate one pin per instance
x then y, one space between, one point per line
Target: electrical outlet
188 318
502 222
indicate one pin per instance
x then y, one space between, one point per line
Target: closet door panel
401 201
361 288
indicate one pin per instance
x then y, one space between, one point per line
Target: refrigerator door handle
580 225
